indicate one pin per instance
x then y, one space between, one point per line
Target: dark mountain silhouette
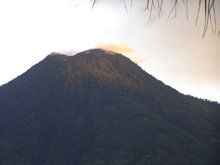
100 108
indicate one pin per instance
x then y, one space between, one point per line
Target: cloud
125 50
120 48
69 52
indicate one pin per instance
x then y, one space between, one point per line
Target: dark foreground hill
99 108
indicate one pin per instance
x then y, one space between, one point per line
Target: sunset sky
172 50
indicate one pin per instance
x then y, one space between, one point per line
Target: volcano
99 108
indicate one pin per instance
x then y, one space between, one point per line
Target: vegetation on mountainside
96 108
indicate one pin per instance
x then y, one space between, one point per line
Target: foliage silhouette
209 10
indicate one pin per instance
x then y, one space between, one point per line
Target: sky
170 49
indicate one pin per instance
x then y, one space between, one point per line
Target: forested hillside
100 108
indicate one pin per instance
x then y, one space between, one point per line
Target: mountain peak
95 108
99 51
94 53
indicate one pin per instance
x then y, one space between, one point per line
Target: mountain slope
99 107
